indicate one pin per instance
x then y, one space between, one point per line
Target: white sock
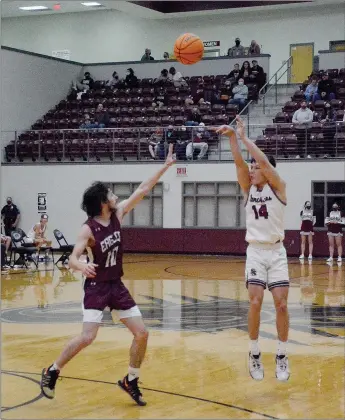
133 373
54 367
282 348
254 347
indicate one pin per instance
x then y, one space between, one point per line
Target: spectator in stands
131 80
237 49
330 114
198 143
10 215
161 98
188 102
87 82
147 56
102 117
193 116
166 56
154 142
114 81
163 78
257 74
245 71
326 89
176 77
302 118
254 48
240 94
311 90
206 135
234 74
88 123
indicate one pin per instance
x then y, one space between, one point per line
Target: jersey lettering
111 258
262 211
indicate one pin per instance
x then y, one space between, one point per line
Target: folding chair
25 252
65 248
39 250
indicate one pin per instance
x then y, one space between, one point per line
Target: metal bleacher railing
284 141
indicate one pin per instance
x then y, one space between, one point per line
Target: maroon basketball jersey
107 250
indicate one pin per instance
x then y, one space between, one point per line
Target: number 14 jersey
264 216
106 250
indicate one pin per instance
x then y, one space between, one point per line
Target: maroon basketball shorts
114 296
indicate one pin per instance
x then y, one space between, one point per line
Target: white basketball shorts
267 266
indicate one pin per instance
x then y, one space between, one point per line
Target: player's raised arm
241 165
269 171
145 187
89 270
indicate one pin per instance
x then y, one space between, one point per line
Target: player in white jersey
307 229
266 265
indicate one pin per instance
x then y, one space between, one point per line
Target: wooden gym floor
196 365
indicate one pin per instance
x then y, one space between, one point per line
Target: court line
17 374
247 410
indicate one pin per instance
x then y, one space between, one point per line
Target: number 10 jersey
264 216
106 250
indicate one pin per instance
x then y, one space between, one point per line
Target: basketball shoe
256 368
48 381
282 368
132 389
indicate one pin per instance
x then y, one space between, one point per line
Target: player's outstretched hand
225 130
240 126
89 270
171 158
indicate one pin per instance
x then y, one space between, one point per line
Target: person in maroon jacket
103 287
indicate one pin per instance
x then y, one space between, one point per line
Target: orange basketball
188 49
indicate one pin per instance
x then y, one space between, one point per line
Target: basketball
188 49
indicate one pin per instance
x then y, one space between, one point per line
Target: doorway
302 62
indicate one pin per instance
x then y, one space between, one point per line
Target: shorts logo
253 272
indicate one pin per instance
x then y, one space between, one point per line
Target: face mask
308 207
237 43
304 106
9 202
335 208
240 83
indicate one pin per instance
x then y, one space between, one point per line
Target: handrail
288 62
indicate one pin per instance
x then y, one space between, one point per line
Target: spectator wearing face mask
163 78
254 48
199 143
114 81
131 80
166 56
237 49
311 90
147 56
87 81
10 215
240 95
307 229
102 117
335 223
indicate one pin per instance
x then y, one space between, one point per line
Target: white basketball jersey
307 215
264 216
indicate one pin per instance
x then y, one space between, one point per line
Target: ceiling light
33 8
91 4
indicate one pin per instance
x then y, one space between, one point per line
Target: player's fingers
171 148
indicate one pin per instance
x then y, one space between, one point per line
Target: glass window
205 188
188 188
319 187
227 212
188 212
325 194
227 188
336 188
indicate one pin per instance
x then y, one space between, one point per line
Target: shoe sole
282 380
255 379
47 396
142 404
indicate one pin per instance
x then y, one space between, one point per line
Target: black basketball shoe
48 381
132 389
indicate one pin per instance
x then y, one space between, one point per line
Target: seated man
257 74
240 94
197 144
326 89
36 234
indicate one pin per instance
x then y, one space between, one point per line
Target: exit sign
181 171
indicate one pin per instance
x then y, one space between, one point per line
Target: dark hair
271 160
171 70
308 201
247 63
164 72
131 71
94 197
115 73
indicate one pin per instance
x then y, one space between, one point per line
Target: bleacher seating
323 139
54 136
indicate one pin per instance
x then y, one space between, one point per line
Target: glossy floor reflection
196 365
